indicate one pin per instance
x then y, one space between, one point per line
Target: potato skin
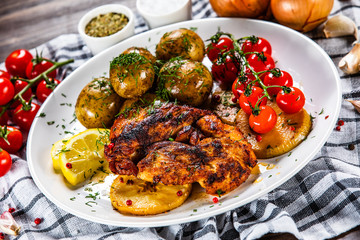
187 81
97 104
180 43
131 75
142 51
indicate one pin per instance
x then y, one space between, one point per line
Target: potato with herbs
142 51
183 43
131 74
185 80
97 104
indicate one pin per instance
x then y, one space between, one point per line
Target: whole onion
241 8
301 15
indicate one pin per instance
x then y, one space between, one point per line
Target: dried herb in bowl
106 24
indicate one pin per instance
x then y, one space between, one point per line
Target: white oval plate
309 65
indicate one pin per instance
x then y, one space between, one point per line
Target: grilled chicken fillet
205 150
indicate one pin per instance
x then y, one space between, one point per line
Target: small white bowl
97 44
162 12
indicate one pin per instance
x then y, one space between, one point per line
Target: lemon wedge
55 153
83 154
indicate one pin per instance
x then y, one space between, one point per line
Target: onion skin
242 8
304 15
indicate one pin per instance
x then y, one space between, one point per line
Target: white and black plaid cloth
320 202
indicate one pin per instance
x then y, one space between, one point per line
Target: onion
301 15
241 8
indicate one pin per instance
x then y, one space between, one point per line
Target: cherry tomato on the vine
4 74
33 71
7 90
5 162
284 79
263 119
11 139
241 82
248 102
223 45
20 85
43 91
260 62
290 100
256 44
225 70
24 118
17 62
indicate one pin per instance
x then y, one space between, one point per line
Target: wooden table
29 23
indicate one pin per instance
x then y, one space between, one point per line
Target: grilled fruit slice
130 195
290 130
83 154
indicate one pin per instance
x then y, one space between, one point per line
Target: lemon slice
290 130
83 154
130 195
55 153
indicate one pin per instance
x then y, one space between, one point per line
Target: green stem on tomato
31 82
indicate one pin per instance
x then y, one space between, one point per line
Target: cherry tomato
17 62
248 102
20 85
225 70
284 79
260 63
290 100
241 82
24 118
42 91
5 162
223 45
4 74
4 118
256 44
33 71
11 139
263 120
7 91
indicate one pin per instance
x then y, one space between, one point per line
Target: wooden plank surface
29 23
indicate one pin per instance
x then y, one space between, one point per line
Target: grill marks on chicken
205 150
134 133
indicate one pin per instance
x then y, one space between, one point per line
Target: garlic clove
350 63
339 26
356 104
8 224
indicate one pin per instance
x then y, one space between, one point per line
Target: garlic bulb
350 64
356 104
340 25
8 225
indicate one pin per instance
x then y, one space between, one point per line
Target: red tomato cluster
21 69
247 65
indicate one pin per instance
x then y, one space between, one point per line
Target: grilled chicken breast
205 150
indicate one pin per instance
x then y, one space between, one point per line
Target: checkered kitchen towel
321 201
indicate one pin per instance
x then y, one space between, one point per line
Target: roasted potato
97 104
131 75
185 80
142 51
182 42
